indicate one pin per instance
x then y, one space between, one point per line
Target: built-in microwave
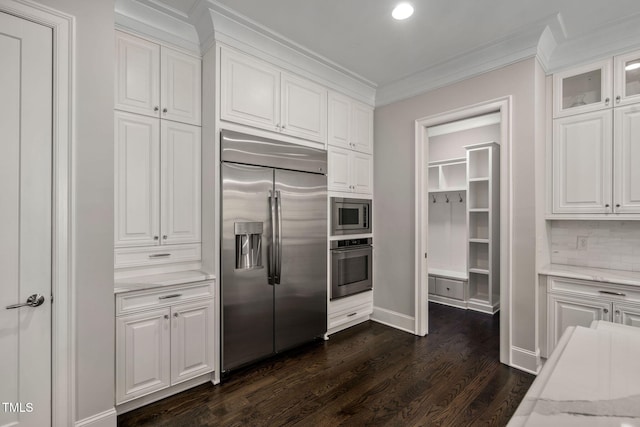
350 216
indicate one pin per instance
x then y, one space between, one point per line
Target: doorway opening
462 213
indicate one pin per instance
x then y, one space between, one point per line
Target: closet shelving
483 219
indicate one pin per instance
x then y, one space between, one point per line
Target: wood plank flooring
368 375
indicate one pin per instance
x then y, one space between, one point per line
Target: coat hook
460 197
434 198
446 196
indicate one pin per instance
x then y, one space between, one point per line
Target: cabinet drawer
432 284
349 314
143 300
155 255
449 288
593 289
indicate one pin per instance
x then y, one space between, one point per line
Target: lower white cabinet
350 171
162 339
448 291
573 302
349 311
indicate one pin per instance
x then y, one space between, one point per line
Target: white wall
451 145
394 188
93 215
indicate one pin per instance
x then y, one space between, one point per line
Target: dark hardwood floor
368 375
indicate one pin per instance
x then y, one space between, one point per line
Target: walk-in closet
464 213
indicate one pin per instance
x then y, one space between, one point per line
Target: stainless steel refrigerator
274 247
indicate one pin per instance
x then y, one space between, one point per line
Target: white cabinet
350 124
157 181
626 155
255 93
157 81
350 171
573 302
583 89
349 311
163 337
582 150
626 78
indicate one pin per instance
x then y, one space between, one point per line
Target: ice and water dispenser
248 245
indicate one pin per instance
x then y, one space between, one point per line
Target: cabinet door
627 314
565 311
249 91
304 109
626 152
180 173
583 89
582 150
137 180
362 173
180 87
137 77
362 127
339 169
142 354
192 340
627 78
339 120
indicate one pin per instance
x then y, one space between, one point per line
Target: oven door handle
352 249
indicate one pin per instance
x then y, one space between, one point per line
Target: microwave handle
366 217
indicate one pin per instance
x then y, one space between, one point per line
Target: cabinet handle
164 110
156 108
618 313
352 314
170 296
617 205
607 205
155 237
606 101
606 311
283 127
166 316
159 255
619 294
175 314
618 99
164 237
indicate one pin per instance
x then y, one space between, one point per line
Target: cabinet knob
618 99
607 205
606 101
175 314
164 110
617 205
166 316
155 237
606 310
164 237
156 108
283 127
617 312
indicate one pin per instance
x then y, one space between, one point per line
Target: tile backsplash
600 244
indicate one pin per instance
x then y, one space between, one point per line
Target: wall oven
351 267
350 216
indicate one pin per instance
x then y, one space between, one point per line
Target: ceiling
361 36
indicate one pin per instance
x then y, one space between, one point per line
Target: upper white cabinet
582 150
350 124
350 171
604 84
255 93
157 181
157 81
626 155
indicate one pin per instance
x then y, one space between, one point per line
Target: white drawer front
156 255
142 300
350 314
450 288
593 289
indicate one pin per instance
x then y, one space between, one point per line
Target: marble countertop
620 277
159 280
592 378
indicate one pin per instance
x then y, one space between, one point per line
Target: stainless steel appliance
274 247
350 216
351 267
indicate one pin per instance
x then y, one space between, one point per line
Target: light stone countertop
592 378
620 277
159 280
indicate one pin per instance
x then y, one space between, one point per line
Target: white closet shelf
448 274
479 270
472 240
479 210
479 179
448 190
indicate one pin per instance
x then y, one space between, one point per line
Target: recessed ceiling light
402 11
632 66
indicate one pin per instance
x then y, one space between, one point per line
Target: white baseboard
394 319
526 360
104 419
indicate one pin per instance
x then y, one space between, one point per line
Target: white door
362 127
181 91
362 173
25 222
627 314
565 311
304 108
626 154
180 172
582 157
339 120
191 340
339 162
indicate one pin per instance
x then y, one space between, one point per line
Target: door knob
34 300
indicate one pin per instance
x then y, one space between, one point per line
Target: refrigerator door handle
272 251
278 240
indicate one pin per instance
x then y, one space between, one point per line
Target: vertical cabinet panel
339 120
362 173
304 108
338 174
137 78
362 128
249 91
582 147
180 200
181 91
142 359
137 178
191 340
627 160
